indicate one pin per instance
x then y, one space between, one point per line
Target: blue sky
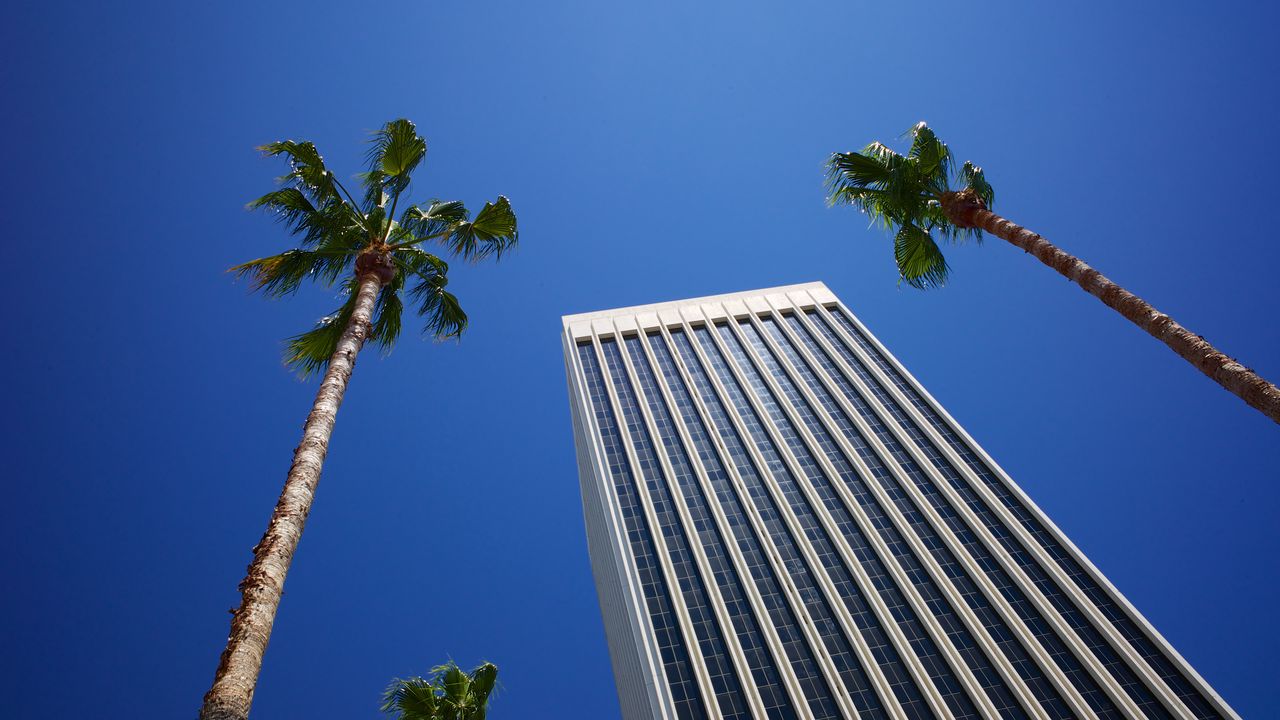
653 151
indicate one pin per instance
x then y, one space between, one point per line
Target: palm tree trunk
966 210
237 675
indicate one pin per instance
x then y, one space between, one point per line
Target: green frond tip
483 681
394 153
397 148
448 694
920 261
903 193
933 159
492 233
307 171
881 152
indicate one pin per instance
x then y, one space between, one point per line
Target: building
783 524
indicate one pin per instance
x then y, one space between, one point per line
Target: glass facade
793 530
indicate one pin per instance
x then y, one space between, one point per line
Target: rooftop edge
654 307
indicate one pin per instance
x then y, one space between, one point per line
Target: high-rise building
783 524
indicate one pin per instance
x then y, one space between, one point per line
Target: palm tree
378 258
914 194
449 694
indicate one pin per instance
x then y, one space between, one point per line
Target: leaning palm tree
448 694
913 196
377 258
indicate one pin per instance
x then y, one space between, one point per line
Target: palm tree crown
341 236
449 694
380 254
914 194
910 193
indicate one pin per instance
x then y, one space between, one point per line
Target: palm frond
920 261
448 694
307 171
877 181
291 206
483 680
420 262
454 682
295 211
376 221
280 275
973 177
441 310
847 170
411 698
903 193
877 205
311 204
492 233
438 220
430 275
387 313
348 239
334 229
933 158
308 353
374 182
885 155
394 152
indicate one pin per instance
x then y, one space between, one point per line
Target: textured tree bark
965 209
237 675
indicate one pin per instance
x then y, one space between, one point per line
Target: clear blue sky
653 151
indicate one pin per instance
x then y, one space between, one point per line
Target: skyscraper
783 524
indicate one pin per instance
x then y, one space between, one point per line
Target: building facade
784 525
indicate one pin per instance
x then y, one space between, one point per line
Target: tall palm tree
913 195
378 259
449 694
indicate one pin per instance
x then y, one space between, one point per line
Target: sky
652 151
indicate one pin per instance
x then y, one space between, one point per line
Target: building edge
633 651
